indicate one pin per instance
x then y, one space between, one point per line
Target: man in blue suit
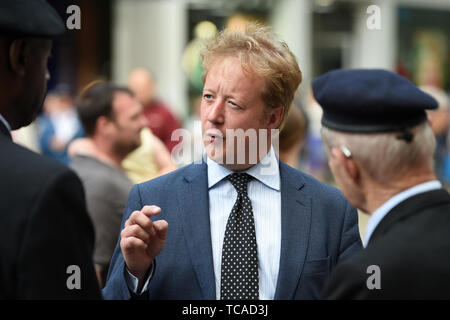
241 224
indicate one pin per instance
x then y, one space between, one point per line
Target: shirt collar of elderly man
246 97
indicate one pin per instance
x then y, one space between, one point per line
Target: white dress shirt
264 193
382 211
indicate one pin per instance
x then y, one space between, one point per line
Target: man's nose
217 112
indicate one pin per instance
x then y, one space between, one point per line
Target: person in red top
160 119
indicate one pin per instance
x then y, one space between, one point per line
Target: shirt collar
266 171
2 119
382 211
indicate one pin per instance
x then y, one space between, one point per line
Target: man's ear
347 163
17 51
103 125
274 118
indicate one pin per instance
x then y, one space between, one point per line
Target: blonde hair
262 54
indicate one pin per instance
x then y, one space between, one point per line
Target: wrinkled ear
17 51
347 163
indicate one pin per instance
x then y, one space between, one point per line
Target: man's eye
234 104
207 96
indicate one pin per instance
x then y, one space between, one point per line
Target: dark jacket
46 237
411 247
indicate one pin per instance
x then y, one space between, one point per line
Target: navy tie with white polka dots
239 278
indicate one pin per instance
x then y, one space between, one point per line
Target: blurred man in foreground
381 150
47 237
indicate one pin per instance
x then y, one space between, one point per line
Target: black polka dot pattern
239 278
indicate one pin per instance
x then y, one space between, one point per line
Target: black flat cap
370 100
29 18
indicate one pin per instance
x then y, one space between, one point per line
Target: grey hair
383 155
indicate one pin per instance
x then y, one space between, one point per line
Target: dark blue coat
318 229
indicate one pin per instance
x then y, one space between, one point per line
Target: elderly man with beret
381 148
47 237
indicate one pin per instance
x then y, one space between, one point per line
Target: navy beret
29 18
370 100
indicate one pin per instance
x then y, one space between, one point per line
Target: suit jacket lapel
409 207
295 227
194 209
4 130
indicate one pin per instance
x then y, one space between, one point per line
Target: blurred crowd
114 137
300 146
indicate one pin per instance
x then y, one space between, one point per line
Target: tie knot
239 181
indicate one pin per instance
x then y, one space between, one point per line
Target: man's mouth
213 136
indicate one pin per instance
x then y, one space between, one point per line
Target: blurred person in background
292 137
58 125
160 119
112 119
315 157
440 119
195 140
381 149
150 160
47 237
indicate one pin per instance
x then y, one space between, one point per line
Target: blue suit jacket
318 229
